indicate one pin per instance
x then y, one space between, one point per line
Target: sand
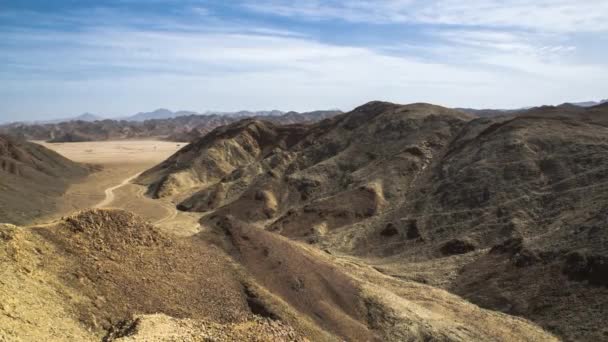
144 152
111 187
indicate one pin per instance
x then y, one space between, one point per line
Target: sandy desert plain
112 187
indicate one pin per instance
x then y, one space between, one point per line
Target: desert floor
111 187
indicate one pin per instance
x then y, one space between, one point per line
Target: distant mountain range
158 114
186 125
500 112
164 124
163 113
88 117
589 103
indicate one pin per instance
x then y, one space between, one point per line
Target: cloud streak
206 61
541 15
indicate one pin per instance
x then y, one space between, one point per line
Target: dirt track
110 191
139 196
122 160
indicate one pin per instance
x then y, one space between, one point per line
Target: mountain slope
109 274
506 212
318 161
30 176
94 270
533 190
217 154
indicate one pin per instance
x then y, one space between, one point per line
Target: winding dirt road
110 196
110 191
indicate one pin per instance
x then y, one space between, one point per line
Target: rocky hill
388 223
506 212
183 128
108 275
31 175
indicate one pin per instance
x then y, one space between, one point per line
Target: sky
62 58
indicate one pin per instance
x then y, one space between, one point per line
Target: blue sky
116 57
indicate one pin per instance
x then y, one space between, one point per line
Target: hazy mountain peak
161 113
589 103
88 117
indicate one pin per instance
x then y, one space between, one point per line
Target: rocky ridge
425 193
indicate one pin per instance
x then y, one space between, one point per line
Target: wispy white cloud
542 15
479 43
202 70
113 64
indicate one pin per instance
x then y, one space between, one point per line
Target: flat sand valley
110 187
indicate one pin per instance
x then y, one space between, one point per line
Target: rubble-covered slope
427 193
108 275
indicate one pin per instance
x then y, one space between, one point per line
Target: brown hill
96 269
357 303
218 154
507 212
109 274
30 175
320 152
536 183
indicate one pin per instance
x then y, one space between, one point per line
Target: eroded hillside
107 274
509 212
30 175
388 223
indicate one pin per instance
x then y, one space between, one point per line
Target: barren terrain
508 212
33 178
388 223
111 187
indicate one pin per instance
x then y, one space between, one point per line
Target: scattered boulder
123 328
580 266
519 255
525 258
509 246
389 231
7 231
412 230
457 246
